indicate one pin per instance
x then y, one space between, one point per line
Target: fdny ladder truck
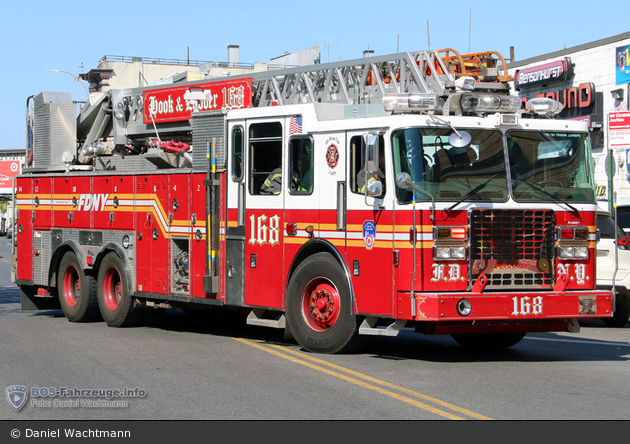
334 201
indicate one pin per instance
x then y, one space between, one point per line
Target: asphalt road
215 367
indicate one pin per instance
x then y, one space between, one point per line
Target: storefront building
592 81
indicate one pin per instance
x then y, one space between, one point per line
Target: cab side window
265 158
237 154
357 165
301 165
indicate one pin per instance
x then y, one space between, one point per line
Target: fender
121 252
317 245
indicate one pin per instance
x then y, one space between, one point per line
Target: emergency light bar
410 102
490 103
544 106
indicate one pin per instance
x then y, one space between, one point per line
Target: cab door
235 217
264 185
370 237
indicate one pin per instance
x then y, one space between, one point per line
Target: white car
606 266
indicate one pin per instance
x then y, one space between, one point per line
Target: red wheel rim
321 304
112 289
71 286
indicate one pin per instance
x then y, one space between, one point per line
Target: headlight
449 252
572 252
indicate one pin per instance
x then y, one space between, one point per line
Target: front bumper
517 306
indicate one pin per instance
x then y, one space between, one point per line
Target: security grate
513 248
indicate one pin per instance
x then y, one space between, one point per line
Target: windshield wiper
573 209
471 192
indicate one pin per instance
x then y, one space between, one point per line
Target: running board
255 318
368 327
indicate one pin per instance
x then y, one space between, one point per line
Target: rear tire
319 309
114 301
622 311
489 341
77 290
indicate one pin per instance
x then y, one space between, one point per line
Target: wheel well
55 262
312 247
115 248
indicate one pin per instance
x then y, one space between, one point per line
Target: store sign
619 130
8 169
582 96
169 104
553 72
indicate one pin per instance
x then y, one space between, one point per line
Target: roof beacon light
410 102
544 106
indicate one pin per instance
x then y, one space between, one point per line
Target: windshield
448 172
550 166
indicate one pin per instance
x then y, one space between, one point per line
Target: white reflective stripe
61 202
152 203
329 234
420 236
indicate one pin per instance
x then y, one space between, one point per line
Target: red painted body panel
72 202
42 203
264 285
373 286
24 236
152 254
111 216
198 248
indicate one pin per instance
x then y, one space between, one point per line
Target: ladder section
353 82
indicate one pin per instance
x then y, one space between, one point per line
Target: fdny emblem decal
369 234
332 156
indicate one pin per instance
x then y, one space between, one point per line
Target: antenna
328 45
469 29
398 43
428 36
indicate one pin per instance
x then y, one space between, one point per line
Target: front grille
513 248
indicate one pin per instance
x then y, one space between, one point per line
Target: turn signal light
450 233
572 233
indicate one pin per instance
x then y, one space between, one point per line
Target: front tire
114 301
319 308
77 290
489 341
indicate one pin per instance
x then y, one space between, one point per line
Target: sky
74 35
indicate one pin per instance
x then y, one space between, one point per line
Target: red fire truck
334 201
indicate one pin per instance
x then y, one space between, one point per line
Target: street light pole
76 78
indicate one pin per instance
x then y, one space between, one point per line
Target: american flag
296 125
